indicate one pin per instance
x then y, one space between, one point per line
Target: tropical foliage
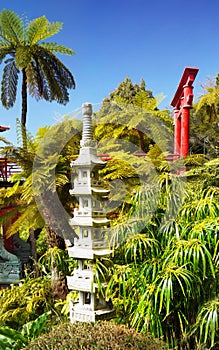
163 273
25 302
129 115
51 171
13 339
205 121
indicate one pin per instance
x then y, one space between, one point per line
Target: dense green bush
21 304
101 335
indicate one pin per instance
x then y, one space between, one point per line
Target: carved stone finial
87 108
87 134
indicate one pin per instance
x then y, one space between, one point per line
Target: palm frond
5 49
9 84
54 78
41 29
55 48
172 276
4 45
193 251
140 246
209 98
34 80
29 218
11 27
3 139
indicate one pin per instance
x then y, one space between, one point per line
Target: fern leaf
41 29
9 84
55 48
13 27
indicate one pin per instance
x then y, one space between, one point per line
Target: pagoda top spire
87 133
88 150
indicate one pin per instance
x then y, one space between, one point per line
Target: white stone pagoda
91 226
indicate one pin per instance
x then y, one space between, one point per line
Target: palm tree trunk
24 98
141 139
58 279
24 108
33 234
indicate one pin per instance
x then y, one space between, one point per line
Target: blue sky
153 40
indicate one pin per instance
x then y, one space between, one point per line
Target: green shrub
13 339
21 304
101 335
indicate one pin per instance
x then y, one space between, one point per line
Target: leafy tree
43 74
129 123
204 122
128 114
127 91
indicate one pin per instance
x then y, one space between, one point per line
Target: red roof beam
187 78
4 128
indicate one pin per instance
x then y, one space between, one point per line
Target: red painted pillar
177 131
184 149
187 105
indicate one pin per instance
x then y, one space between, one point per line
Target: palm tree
43 74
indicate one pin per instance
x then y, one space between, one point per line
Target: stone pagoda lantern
90 224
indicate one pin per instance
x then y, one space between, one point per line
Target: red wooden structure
6 168
4 128
182 103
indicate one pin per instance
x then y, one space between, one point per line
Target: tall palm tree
43 74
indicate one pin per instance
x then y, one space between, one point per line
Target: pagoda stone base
80 314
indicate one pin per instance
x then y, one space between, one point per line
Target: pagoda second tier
87 185
83 279
91 242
